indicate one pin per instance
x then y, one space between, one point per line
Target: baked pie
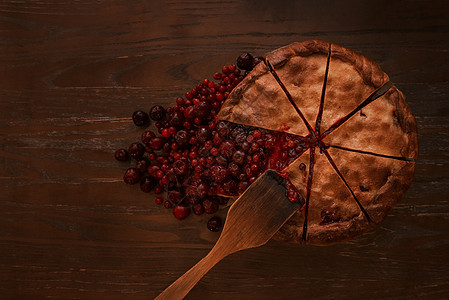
358 138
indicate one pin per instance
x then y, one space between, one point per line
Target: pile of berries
195 162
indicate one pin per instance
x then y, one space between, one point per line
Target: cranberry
234 169
256 157
156 143
180 167
202 161
175 196
176 118
241 187
165 133
147 136
197 121
202 110
202 189
198 209
245 146
140 118
219 96
218 173
180 101
158 200
142 165
181 211
240 138
121 154
189 114
208 145
132 176
223 128
217 139
257 134
157 113
147 183
210 206
214 224
203 133
227 148
182 138
238 157
221 160
214 151
230 187
136 150
166 147
158 190
292 194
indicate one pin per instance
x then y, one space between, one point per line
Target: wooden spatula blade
258 213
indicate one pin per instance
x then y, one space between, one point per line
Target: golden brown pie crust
385 126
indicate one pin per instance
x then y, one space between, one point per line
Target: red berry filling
198 160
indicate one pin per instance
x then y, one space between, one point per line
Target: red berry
160 174
136 150
214 151
158 200
121 154
140 118
165 133
214 224
257 134
156 143
179 101
210 206
219 96
147 136
147 184
132 176
157 113
181 211
198 209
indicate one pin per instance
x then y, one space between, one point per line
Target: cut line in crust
372 153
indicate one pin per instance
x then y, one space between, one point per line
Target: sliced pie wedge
362 137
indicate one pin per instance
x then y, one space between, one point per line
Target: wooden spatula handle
180 288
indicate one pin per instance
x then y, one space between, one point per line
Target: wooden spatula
251 222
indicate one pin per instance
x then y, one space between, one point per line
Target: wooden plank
71 74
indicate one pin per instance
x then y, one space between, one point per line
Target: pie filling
201 161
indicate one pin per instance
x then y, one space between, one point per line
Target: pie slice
359 133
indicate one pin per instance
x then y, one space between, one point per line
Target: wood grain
71 74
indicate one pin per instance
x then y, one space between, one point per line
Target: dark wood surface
72 73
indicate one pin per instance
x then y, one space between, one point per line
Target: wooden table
72 73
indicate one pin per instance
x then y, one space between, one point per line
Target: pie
359 137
